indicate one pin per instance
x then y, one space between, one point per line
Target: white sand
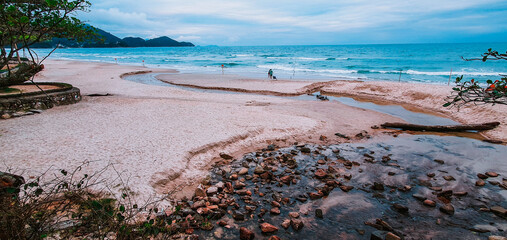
154 134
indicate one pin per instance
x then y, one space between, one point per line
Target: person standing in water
270 74
222 69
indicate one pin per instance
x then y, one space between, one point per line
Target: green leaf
447 104
122 208
51 3
64 172
489 82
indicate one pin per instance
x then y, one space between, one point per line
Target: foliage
26 22
68 206
494 92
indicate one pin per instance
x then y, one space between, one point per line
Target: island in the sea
109 40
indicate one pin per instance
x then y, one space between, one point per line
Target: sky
293 22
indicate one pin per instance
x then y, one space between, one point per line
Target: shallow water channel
405 167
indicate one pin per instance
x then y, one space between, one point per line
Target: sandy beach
163 137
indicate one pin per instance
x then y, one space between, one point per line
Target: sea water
431 63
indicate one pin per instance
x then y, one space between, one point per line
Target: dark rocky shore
395 189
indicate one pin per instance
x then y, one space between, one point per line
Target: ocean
430 63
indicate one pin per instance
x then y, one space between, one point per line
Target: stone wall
15 105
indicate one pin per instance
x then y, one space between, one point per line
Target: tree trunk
442 128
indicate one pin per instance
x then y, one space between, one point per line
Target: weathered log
443 128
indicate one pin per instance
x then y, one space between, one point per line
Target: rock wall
14 106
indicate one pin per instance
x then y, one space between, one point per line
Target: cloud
240 20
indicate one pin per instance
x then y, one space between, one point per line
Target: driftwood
442 128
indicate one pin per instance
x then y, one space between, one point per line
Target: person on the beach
222 69
270 74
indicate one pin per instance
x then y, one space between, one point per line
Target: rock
437 189
286 179
250 208
400 208
314 196
500 211
430 175
392 236
492 174
480 183
405 188
321 162
275 211
346 188
245 234
271 147
243 171
445 194
274 238
199 204
460 194
447 209
419 197
429 203
296 224
319 213
320 173
481 176
5 116
378 186
268 228
497 238
220 185
225 156
199 191
238 216
347 176
439 161
286 223
294 214
449 178
212 190
306 150
259 169
391 173
377 235
275 204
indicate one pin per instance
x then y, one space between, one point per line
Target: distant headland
112 41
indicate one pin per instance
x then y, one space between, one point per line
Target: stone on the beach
199 191
294 214
392 236
306 150
296 224
225 156
212 190
430 175
447 209
419 197
286 179
315 196
377 235
319 213
500 211
429 203
243 171
492 174
378 186
320 173
482 176
275 211
259 169
347 176
497 238
400 208
199 204
286 223
5 116
238 216
245 234
439 161
346 188
449 178
480 183
460 194
268 228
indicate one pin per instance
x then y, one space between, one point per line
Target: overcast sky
293 22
